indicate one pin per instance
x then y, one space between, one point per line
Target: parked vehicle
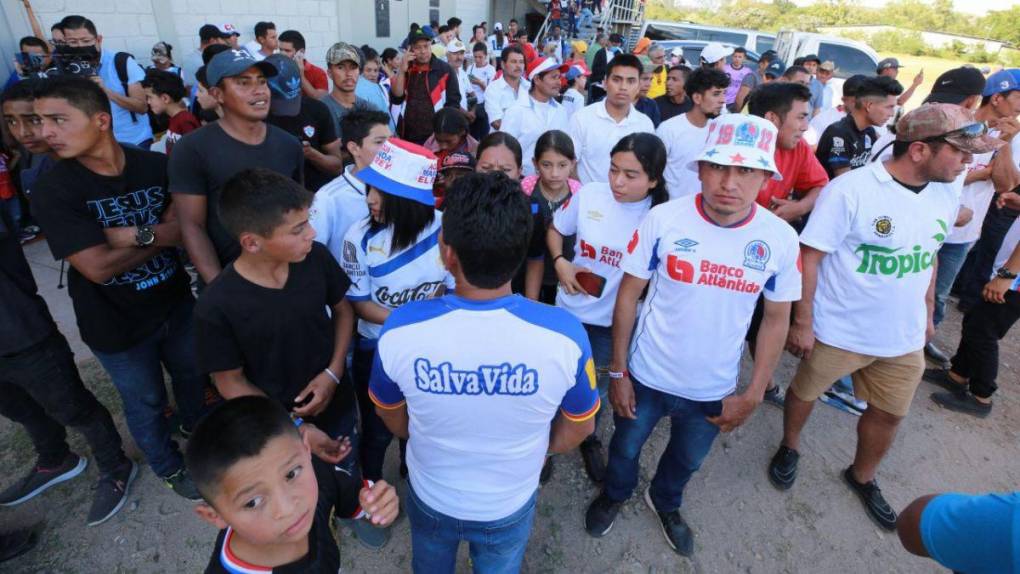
659 30
692 51
850 56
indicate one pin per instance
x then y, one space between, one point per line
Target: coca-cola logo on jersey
398 298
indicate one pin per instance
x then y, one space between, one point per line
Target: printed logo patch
757 254
884 226
685 245
309 131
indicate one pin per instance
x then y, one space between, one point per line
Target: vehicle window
693 56
735 38
848 60
764 43
659 32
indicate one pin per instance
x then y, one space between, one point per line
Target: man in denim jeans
104 209
704 257
475 381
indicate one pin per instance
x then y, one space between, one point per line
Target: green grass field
932 67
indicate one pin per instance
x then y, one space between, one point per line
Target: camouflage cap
343 52
954 123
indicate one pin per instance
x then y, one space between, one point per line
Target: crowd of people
477 246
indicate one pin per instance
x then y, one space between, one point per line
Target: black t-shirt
207 157
843 145
24 318
282 338
312 124
546 209
73 205
668 109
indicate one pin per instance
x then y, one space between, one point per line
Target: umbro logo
685 245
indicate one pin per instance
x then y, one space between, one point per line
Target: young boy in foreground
270 498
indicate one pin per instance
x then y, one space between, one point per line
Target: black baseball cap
416 35
812 58
210 32
956 85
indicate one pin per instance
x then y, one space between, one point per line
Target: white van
658 30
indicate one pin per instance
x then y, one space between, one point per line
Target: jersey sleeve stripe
359 297
384 405
414 252
581 417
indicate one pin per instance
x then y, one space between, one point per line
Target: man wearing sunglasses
869 255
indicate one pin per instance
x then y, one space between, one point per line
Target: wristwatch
145 236
1004 273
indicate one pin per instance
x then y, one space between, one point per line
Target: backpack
120 60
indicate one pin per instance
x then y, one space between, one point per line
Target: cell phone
592 284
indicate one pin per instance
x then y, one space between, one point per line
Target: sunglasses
974 130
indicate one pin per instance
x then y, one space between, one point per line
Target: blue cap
1015 72
233 63
775 68
999 82
284 87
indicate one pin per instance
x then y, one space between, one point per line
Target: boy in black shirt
270 498
104 208
846 144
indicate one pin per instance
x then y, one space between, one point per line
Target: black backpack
158 124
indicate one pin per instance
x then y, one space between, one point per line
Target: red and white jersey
603 227
704 282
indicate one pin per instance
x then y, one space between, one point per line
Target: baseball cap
577 70
285 87
888 63
232 63
812 58
853 83
828 66
497 26
455 46
210 31
999 82
743 141
416 35
956 85
540 65
403 169
951 122
458 160
228 30
775 68
343 52
714 51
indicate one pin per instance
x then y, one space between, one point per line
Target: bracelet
332 375
298 421
557 257
619 375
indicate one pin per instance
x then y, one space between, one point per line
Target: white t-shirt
881 241
499 96
336 207
482 381
977 197
463 83
595 133
527 120
704 284
1009 243
573 102
391 280
603 227
684 142
486 75
824 119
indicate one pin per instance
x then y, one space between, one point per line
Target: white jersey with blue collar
337 206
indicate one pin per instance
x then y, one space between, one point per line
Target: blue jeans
138 375
951 258
601 339
690 439
496 547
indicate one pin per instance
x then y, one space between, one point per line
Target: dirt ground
742 523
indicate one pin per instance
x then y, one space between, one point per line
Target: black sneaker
17 542
594 460
547 471
674 528
601 515
962 402
873 500
783 468
180 482
39 479
775 397
112 493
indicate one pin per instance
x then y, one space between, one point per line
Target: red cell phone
592 284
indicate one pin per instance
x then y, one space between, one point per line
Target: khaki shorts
887 383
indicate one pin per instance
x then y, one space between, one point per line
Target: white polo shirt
881 241
704 284
482 381
336 207
684 142
499 96
528 119
595 133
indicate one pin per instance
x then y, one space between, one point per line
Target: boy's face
69 131
480 59
157 103
364 153
267 499
291 240
24 125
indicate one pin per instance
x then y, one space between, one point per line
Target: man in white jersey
869 255
484 384
684 135
598 127
703 257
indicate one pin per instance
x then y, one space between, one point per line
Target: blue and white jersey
392 279
482 381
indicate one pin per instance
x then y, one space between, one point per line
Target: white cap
455 45
740 140
714 51
228 29
497 26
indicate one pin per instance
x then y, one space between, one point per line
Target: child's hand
327 449
380 502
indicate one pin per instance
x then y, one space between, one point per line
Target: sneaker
873 500
39 479
601 515
17 542
180 482
962 402
594 460
32 229
936 355
25 236
844 401
368 535
674 528
775 397
547 471
783 468
112 493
